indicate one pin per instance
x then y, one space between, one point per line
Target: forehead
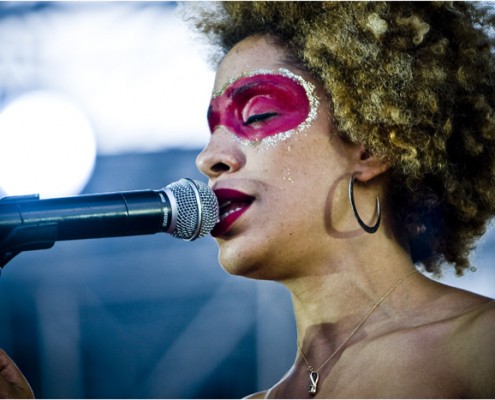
253 53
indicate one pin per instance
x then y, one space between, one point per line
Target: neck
333 299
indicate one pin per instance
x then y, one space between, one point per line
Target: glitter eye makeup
264 106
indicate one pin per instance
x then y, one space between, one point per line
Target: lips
232 205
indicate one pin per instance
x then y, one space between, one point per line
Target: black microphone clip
25 237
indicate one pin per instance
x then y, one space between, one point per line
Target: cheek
307 161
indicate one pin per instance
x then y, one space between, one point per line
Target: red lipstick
232 204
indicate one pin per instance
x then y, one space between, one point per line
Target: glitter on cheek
288 177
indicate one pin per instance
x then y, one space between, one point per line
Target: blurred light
139 73
47 146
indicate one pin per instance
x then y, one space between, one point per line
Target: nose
221 155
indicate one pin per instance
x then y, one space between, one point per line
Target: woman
350 141
320 109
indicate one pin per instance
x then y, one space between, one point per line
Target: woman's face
275 163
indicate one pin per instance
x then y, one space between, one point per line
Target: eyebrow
249 85
244 88
281 71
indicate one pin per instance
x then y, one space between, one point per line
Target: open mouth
232 204
228 208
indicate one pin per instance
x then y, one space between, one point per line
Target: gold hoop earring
367 228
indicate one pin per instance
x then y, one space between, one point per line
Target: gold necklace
314 376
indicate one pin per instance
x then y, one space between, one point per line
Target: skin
425 340
13 384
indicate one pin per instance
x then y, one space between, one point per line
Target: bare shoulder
475 343
457 347
258 395
477 324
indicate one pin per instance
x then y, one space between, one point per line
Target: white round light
47 146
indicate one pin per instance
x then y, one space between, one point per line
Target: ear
367 166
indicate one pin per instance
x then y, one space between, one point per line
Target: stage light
47 146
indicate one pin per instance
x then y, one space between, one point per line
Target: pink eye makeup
264 106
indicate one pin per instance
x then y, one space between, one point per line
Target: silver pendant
313 381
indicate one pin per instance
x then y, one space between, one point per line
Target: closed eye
259 117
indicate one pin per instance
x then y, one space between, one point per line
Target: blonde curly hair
413 82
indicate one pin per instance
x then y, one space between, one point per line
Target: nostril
221 155
220 167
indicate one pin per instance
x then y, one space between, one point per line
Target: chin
248 264
234 265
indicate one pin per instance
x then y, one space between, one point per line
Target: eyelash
259 117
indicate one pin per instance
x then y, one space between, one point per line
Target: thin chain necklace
314 375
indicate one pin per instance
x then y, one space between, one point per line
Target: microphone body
90 216
186 209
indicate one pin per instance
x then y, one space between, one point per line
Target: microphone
186 209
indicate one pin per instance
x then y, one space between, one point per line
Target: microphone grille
197 208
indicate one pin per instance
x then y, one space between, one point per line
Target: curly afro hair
413 82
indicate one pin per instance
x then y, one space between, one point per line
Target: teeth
225 215
225 204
